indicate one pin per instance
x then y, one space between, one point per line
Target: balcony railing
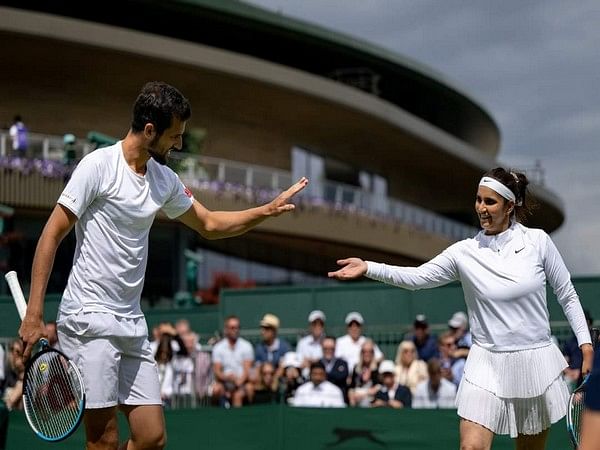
261 183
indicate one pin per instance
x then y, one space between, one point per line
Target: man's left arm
223 224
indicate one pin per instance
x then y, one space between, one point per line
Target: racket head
53 394
575 410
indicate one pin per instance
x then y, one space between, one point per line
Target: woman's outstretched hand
351 268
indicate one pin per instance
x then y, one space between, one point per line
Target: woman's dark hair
517 182
157 104
164 351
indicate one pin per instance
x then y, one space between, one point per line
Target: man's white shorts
114 357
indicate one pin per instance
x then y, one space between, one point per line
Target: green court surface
285 428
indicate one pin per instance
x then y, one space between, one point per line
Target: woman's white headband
498 187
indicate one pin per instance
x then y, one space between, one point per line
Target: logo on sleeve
187 192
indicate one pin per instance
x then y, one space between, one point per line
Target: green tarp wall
386 309
285 428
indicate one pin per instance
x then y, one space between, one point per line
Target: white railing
44 146
203 172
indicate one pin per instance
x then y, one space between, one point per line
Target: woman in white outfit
512 379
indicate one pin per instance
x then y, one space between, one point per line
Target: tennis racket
53 390
577 402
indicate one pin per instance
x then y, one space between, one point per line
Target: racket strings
53 395
574 416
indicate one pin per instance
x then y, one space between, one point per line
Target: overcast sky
534 65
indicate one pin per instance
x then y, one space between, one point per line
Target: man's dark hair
157 104
317 365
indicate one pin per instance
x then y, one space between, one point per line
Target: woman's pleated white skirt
514 392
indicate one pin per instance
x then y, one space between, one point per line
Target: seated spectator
410 370
437 392
291 378
459 326
15 371
2 370
452 368
232 357
309 348
348 346
164 357
271 348
183 370
573 355
364 382
336 369
391 393
425 342
318 392
266 386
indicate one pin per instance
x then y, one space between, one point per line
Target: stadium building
392 149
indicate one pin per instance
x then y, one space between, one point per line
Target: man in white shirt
318 392
348 346
435 393
111 200
309 348
232 357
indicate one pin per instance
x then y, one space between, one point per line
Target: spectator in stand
336 369
437 392
51 333
232 359
267 385
391 393
574 356
271 348
183 370
425 342
18 134
590 423
459 325
309 347
15 370
2 370
292 378
364 382
410 370
164 358
348 346
452 368
319 393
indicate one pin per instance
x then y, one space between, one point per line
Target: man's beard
161 159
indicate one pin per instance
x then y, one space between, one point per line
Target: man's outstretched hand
282 203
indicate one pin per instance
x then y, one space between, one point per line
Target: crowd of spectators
321 371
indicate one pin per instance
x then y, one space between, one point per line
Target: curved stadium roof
426 127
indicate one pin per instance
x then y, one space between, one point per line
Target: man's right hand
31 331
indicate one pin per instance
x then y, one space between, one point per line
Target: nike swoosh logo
517 251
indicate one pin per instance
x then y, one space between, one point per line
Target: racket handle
17 293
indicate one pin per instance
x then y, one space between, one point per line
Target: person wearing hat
309 348
348 346
513 380
459 326
271 348
291 378
391 393
425 342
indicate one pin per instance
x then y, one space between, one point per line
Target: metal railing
204 172
260 183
